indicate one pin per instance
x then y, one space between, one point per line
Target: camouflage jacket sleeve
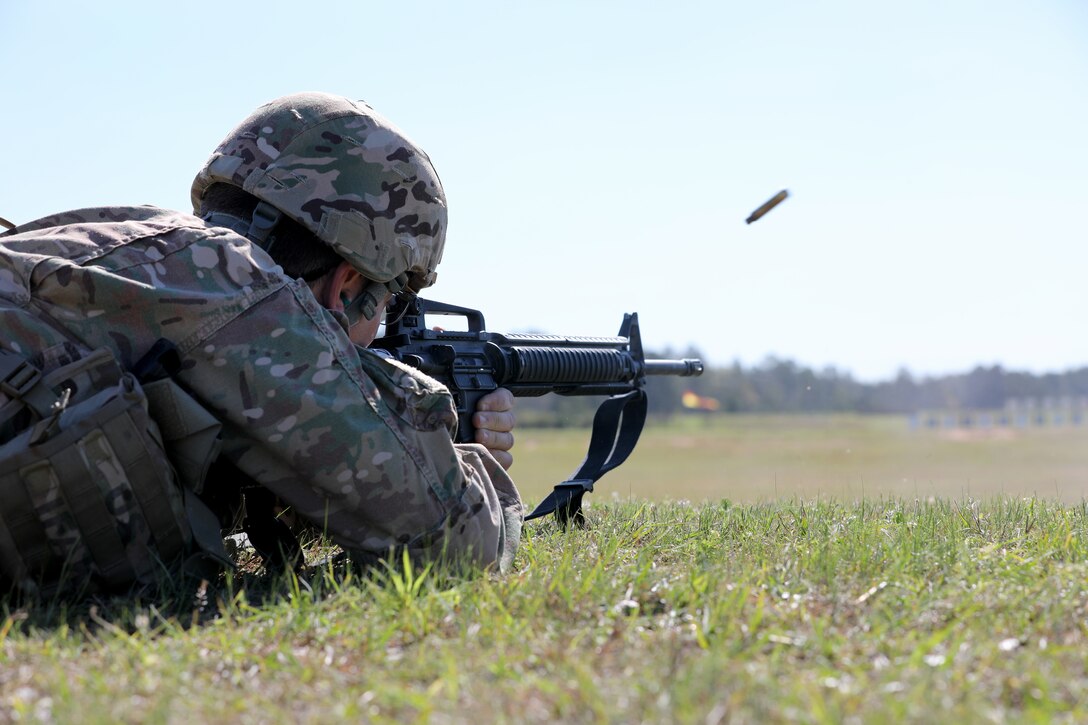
357 444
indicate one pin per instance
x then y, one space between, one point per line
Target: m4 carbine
474 362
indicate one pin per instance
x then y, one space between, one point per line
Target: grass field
762 458
764 603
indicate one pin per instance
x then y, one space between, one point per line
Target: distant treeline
783 386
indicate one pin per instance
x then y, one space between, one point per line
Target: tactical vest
99 475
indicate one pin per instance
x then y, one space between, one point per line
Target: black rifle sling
616 428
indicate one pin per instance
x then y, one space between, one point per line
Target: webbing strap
96 486
85 496
17 375
19 381
616 429
25 528
149 478
11 561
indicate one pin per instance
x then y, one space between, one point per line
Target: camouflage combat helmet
348 175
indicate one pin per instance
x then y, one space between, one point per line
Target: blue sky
601 157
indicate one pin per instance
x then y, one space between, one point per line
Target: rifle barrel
687 367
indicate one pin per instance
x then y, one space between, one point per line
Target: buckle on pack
19 378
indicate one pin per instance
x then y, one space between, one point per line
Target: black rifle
474 362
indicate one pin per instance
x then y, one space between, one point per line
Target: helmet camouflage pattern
344 172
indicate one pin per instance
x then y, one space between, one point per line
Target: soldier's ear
337 285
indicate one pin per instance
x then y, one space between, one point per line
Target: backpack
99 475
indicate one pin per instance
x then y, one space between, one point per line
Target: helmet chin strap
366 304
264 220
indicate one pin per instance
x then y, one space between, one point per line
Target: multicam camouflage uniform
358 444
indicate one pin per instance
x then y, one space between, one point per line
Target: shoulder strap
616 429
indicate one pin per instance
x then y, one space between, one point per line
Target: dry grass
762 458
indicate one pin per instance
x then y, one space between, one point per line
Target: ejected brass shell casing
767 206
